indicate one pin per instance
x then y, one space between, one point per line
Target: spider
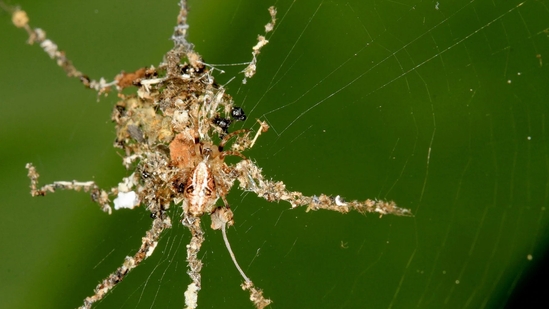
174 134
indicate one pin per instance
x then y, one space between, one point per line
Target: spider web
439 106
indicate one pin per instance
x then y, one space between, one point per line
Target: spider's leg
195 264
98 195
148 244
220 219
232 153
251 179
179 36
37 35
237 153
250 70
244 142
227 137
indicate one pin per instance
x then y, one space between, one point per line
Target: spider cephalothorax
202 175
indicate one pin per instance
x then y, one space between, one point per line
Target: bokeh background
441 106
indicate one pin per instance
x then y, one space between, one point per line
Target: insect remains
174 133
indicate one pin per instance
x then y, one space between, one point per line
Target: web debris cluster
174 134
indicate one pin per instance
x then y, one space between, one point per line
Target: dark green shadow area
441 107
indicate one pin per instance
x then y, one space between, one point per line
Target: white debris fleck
151 249
191 296
127 183
49 47
381 211
339 201
126 200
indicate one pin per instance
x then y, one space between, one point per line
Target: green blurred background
440 106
